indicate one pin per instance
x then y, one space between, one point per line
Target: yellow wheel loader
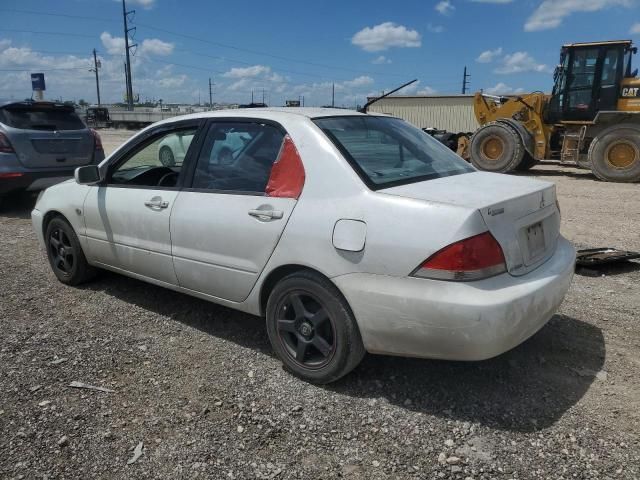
591 119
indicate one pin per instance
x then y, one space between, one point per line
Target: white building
453 113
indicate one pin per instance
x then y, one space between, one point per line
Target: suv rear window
387 151
41 118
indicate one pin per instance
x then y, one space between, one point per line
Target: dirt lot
197 384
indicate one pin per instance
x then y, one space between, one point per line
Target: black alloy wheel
65 253
306 329
62 254
312 328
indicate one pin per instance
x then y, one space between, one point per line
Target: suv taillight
473 258
97 140
5 144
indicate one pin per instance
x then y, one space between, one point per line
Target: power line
62 15
67 34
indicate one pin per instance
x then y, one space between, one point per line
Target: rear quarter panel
400 232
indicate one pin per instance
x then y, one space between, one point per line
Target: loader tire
615 154
496 147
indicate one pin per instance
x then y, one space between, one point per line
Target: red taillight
469 259
97 140
5 144
11 175
287 174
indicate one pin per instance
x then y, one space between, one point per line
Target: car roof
271 113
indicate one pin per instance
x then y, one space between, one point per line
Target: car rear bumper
14 177
454 320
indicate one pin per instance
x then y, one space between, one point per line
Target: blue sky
292 48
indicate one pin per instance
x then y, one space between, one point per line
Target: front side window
389 151
156 164
237 157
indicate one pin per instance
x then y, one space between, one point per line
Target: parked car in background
42 143
348 232
173 148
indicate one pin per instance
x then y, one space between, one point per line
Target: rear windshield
40 118
388 151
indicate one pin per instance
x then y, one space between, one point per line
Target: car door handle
156 203
267 214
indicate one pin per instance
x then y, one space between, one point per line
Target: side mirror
87 175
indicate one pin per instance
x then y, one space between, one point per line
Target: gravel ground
197 388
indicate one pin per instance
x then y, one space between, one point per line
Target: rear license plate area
535 240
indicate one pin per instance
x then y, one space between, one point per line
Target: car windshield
387 151
41 118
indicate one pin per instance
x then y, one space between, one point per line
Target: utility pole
465 82
333 95
251 96
210 94
263 95
96 65
128 47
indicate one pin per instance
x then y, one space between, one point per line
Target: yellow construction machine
591 119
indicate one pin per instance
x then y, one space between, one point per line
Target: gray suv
42 143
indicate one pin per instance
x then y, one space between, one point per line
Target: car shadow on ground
609 270
539 172
526 389
17 205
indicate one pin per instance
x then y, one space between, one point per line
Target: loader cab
588 80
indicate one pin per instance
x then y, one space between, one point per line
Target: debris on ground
76 384
591 257
137 453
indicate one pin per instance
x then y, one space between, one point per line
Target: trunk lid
46 135
519 212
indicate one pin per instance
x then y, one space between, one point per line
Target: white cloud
503 89
114 45
519 62
247 72
358 81
155 46
426 91
146 4
489 56
551 13
492 1
635 29
445 7
380 60
172 82
416 89
385 36
435 28
152 46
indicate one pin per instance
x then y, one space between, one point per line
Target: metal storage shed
447 112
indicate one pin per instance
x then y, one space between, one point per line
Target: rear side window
43 118
388 151
237 157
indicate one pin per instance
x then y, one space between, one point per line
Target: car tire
496 147
165 155
65 253
614 155
312 329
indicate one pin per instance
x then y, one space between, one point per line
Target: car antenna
374 100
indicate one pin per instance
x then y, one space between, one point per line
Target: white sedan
347 232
